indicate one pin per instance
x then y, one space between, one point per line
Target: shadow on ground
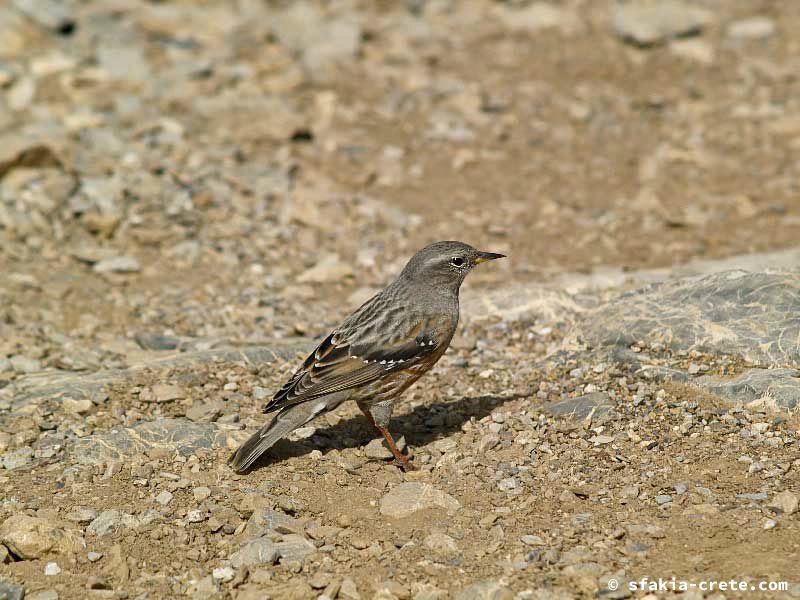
424 424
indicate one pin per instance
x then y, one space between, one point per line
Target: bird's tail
286 421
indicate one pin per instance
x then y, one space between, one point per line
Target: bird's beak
484 256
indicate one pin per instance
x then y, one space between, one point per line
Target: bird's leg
402 460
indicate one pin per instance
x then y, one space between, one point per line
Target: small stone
52 569
24 365
79 407
329 270
294 547
532 540
754 28
784 502
105 523
567 496
167 393
195 516
486 590
630 492
441 544
201 493
164 498
407 498
10 590
392 589
680 488
204 412
320 580
601 439
55 16
119 264
770 524
32 537
267 519
540 16
223 574
753 496
17 458
43 595
663 499
348 590
379 449
94 556
255 552
649 23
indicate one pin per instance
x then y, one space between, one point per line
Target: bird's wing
353 356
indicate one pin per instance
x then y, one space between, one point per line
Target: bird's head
445 264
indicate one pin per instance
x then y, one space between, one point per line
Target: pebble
486 590
25 365
196 516
784 502
348 590
201 493
205 412
94 556
754 496
33 537
663 499
294 547
255 552
18 458
164 498
648 23
10 590
407 498
532 540
378 448
119 264
754 28
105 523
329 269
52 568
223 574
42 595
167 393
441 544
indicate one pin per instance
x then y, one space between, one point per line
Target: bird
377 352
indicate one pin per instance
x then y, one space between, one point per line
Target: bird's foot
404 463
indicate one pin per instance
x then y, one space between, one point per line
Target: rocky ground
191 193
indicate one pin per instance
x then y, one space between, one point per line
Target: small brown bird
378 352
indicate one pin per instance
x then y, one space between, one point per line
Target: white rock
223 574
407 498
164 498
755 28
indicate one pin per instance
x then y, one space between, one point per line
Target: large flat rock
752 316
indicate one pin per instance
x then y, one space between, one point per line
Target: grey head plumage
443 265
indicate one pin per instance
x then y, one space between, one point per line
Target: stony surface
755 316
408 498
192 193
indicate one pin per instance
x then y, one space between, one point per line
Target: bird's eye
457 261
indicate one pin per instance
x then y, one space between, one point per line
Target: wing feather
344 361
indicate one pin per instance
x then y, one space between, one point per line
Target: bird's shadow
424 424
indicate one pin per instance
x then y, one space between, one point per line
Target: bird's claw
405 464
